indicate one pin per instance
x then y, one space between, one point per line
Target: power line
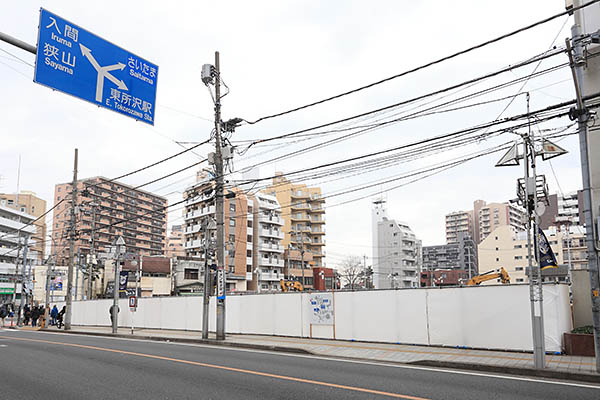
431 63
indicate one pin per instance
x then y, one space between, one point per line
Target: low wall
493 317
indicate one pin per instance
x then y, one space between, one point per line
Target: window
232 221
497 259
189 273
518 268
518 257
10 202
248 239
518 246
248 253
232 207
59 189
248 268
249 224
250 209
496 237
231 238
519 279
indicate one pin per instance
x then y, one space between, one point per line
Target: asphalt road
39 365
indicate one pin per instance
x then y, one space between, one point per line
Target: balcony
200 213
300 217
193 244
270 247
270 219
298 194
318 231
300 206
193 229
274 233
317 209
271 276
270 262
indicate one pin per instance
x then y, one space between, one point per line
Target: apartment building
302 208
13 230
459 222
200 231
175 242
397 254
506 247
27 202
103 205
461 255
479 222
563 209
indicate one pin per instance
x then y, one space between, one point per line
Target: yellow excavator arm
488 276
287 285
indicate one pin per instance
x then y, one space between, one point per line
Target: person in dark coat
26 314
35 314
60 316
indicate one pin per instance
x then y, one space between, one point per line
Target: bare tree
352 271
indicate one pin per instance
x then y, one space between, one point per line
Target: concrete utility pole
48 275
120 244
69 300
23 274
207 285
219 206
578 60
92 252
302 256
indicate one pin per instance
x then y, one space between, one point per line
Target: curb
213 342
544 373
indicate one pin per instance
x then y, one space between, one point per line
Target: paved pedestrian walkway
423 355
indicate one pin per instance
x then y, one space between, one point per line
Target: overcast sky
277 55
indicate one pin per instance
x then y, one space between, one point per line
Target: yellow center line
222 367
444 353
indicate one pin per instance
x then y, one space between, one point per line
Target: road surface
42 365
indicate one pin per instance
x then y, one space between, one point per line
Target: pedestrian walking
35 314
3 313
26 314
53 315
60 316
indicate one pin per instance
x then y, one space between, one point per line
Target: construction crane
488 276
287 285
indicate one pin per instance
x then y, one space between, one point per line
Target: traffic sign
133 302
77 62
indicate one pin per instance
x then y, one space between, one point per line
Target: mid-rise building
109 209
461 255
563 210
482 220
508 248
27 202
175 242
397 257
302 208
15 226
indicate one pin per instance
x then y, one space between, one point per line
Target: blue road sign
79 63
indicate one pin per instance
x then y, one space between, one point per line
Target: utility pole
137 279
69 300
577 60
302 256
219 206
23 273
120 243
48 286
92 252
207 280
78 267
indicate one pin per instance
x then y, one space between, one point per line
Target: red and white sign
133 302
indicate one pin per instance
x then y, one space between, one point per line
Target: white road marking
374 363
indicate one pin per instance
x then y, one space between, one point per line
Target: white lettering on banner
58 66
129 111
61 40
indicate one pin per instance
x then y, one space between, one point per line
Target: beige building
57 286
484 218
303 209
175 242
29 203
506 247
144 231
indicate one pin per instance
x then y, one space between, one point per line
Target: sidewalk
558 366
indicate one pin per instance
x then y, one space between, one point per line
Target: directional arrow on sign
103 72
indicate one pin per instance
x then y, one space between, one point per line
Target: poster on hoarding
321 308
